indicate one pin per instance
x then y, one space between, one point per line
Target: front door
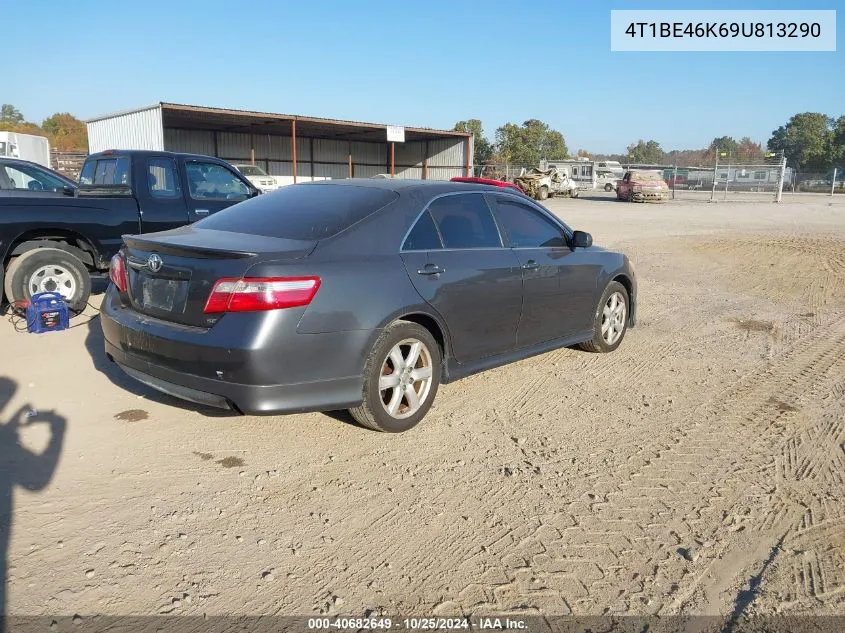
558 281
456 261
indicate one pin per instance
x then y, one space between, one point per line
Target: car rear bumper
323 395
255 364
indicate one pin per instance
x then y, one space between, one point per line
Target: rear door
456 260
558 281
211 187
160 194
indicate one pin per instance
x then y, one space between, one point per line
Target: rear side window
301 212
161 178
423 237
465 221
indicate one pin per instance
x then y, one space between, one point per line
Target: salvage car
488 181
53 234
642 186
360 294
257 176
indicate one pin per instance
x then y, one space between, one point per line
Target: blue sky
428 64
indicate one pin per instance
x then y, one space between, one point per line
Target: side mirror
255 191
68 190
582 239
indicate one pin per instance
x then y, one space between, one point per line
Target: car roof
149 152
400 185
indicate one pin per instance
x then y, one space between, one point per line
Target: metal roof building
299 147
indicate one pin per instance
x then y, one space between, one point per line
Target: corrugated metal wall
133 130
331 157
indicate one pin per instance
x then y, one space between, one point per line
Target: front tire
608 187
48 270
610 321
401 377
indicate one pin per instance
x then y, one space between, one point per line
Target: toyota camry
358 294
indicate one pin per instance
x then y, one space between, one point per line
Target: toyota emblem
154 263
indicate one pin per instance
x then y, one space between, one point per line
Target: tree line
811 141
64 131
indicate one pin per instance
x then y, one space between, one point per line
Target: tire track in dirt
656 509
806 455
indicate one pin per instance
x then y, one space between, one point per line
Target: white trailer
26 147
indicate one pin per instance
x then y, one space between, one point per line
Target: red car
488 181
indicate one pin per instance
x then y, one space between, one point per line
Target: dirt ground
699 469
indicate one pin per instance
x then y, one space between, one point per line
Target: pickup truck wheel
608 187
543 193
49 270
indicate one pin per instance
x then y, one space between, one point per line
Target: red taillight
261 293
117 273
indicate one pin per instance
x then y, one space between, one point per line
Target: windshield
648 176
251 170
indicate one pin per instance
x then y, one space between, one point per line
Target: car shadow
95 345
20 467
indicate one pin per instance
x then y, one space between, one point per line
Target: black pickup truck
53 237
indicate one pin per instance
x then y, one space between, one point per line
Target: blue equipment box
47 312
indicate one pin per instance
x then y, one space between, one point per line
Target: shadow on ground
21 467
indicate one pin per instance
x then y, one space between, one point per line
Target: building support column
425 162
466 157
293 147
392 159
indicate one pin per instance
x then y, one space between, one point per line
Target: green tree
66 132
529 143
838 143
482 147
646 153
806 140
9 114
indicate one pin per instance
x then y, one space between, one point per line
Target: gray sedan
360 294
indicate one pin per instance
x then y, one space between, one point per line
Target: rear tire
610 321
543 193
401 377
48 270
608 187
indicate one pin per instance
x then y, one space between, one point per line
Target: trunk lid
171 274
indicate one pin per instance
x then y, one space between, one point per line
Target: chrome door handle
201 211
530 265
430 269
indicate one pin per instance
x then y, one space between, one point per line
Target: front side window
526 227
161 178
465 221
424 236
210 181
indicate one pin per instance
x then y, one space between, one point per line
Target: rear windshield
301 212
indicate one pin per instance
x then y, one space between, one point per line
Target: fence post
833 183
781 176
675 180
715 170
727 179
